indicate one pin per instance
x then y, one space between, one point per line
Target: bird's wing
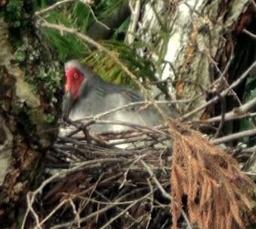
142 114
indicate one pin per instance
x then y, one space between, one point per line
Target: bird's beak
68 101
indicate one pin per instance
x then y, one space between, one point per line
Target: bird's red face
74 80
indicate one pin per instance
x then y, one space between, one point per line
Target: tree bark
25 106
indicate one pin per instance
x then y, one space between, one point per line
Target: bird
86 94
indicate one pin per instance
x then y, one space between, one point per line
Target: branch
236 113
52 7
31 196
135 11
128 105
254 4
223 93
232 137
162 190
252 35
104 209
60 3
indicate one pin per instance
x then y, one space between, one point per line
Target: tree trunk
27 108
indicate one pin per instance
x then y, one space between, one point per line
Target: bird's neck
90 84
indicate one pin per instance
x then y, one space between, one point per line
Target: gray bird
86 94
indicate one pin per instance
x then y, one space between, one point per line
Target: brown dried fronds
218 194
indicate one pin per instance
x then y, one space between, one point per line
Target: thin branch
130 125
162 190
222 74
150 172
52 7
128 105
125 210
134 20
31 196
151 203
235 136
223 110
84 219
252 35
254 4
56 208
60 3
77 216
236 113
96 19
223 93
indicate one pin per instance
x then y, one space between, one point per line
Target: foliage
14 12
70 47
107 68
80 16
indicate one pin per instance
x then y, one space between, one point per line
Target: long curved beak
67 104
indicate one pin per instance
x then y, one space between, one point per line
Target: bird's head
75 80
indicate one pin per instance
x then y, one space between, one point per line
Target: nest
169 176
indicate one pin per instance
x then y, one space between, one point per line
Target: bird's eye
75 76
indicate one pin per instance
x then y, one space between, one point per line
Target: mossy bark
29 92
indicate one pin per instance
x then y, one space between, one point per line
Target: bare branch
252 35
223 93
236 113
52 7
235 136
135 10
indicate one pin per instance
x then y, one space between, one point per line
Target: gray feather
98 96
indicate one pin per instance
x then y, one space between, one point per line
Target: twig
96 19
55 5
93 190
232 137
162 190
31 196
223 93
77 216
222 74
254 3
151 203
236 113
135 221
223 110
125 210
58 4
134 20
53 211
31 209
127 170
251 160
249 33
250 150
131 125
132 104
150 172
84 219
